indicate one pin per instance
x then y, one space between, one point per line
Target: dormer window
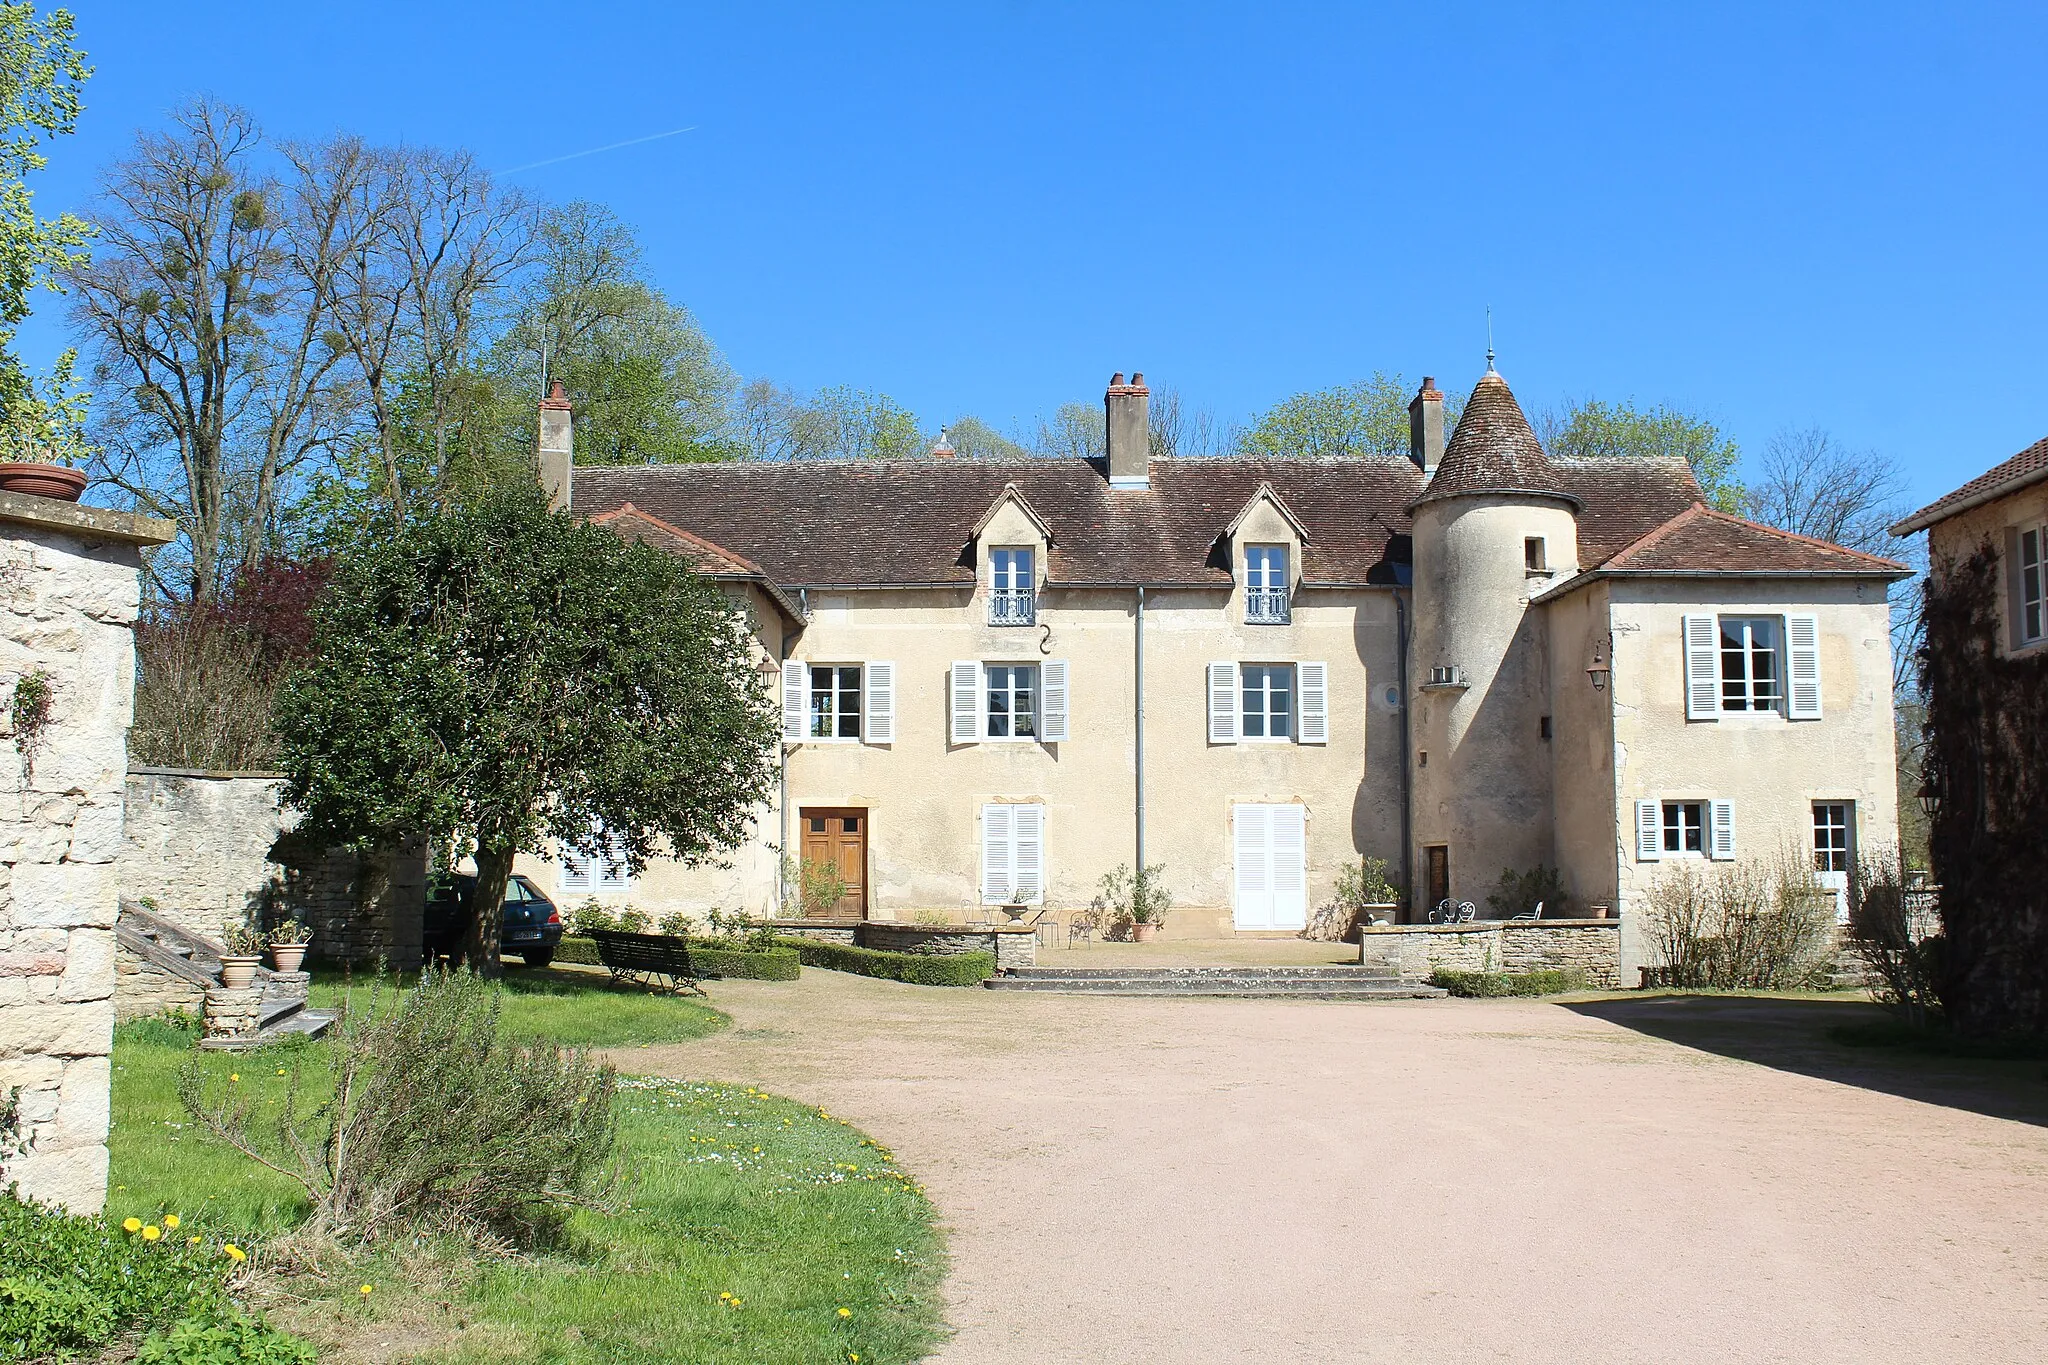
1012 589
1266 585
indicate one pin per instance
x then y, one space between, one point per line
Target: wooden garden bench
646 959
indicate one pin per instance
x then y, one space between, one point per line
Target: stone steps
1267 983
281 1018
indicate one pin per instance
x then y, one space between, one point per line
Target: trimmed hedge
780 963
919 969
1492 985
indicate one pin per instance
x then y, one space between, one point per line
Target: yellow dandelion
235 1253
170 1220
846 1312
131 1225
365 1289
151 1233
191 1241
235 1076
280 1071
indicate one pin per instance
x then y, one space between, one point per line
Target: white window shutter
878 717
1721 830
996 854
1027 841
1290 869
1702 668
795 714
1223 703
1251 826
1649 832
1313 682
1052 706
575 873
613 872
966 702
1802 640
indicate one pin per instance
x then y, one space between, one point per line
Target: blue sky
1778 214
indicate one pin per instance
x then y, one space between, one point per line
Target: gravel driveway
1642 1180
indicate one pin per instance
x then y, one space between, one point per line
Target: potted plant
288 943
1363 889
42 433
1137 901
241 953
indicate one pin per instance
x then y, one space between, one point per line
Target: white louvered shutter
1702 668
1223 703
1649 832
996 854
1253 838
575 873
794 695
1802 648
1027 861
613 872
1052 704
1721 830
1313 680
1290 866
878 717
966 702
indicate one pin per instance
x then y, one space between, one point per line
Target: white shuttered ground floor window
1270 850
1012 854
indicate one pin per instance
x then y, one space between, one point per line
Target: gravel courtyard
1624 1180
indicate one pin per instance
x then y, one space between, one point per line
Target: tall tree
1809 482
1590 428
499 677
1076 431
1369 417
974 439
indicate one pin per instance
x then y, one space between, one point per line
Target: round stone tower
1494 527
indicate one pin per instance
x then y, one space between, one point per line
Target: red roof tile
1493 450
2030 466
1701 541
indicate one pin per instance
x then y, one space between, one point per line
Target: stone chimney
557 448
1128 408
943 448
1426 426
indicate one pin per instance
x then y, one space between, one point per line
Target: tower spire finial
1489 340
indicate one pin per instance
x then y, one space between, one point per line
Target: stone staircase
193 958
1257 983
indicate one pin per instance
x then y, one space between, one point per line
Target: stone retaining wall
1012 945
142 988
1592 946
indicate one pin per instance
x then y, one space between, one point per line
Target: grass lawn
742 1223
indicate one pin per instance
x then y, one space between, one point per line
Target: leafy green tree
41 73
1369 417
865 425
974 439
500 677
1590 428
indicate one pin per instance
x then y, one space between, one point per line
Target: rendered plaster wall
1588 841
1997 524
924 794
1485 789
1771 768
68 599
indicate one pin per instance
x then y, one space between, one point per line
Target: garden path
1139 1180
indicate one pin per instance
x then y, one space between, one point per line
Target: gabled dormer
1264 542
1010 544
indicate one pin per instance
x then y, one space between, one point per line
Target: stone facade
1592 946
69 593
1012 945
143 988
206 847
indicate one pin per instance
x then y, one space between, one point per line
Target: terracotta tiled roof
1493 450
1625 497
894 522
2030 466
1703 542
705 558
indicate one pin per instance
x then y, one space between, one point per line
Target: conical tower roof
1494 450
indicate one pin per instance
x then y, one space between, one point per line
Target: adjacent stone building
69 592
1001 679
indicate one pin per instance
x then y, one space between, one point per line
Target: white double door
1271 845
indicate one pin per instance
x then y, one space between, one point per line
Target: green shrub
435 1122
70 1284
919 969
230 1337
578 950
1493 985
775 964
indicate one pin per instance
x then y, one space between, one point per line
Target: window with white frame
1685 828
1006 701
2032 616
1012 707
1268 700
606 870
1751 673
1266 585
835 701
1742 664
1831 836
1012 588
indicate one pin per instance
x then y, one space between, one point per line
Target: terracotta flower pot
1144 933
287 956
237 970
41 480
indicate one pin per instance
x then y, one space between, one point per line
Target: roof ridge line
1836 546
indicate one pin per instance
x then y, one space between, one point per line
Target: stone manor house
1000 679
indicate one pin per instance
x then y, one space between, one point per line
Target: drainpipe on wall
1407 793
1138 709
803 597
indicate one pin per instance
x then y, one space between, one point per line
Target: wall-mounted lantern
1599 668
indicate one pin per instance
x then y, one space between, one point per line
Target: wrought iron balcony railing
1012 607
1266 606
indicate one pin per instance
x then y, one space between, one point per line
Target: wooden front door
835 840
1438 876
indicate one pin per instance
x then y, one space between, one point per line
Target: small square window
817 824
1543 728
1533 557
1685 825
835 701
850 823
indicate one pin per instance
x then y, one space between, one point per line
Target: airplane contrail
608 147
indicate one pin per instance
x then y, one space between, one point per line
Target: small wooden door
838 839
1439 876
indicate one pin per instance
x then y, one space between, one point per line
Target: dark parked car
532 928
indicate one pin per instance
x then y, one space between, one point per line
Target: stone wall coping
55 514
1491 926
217 775
953 929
